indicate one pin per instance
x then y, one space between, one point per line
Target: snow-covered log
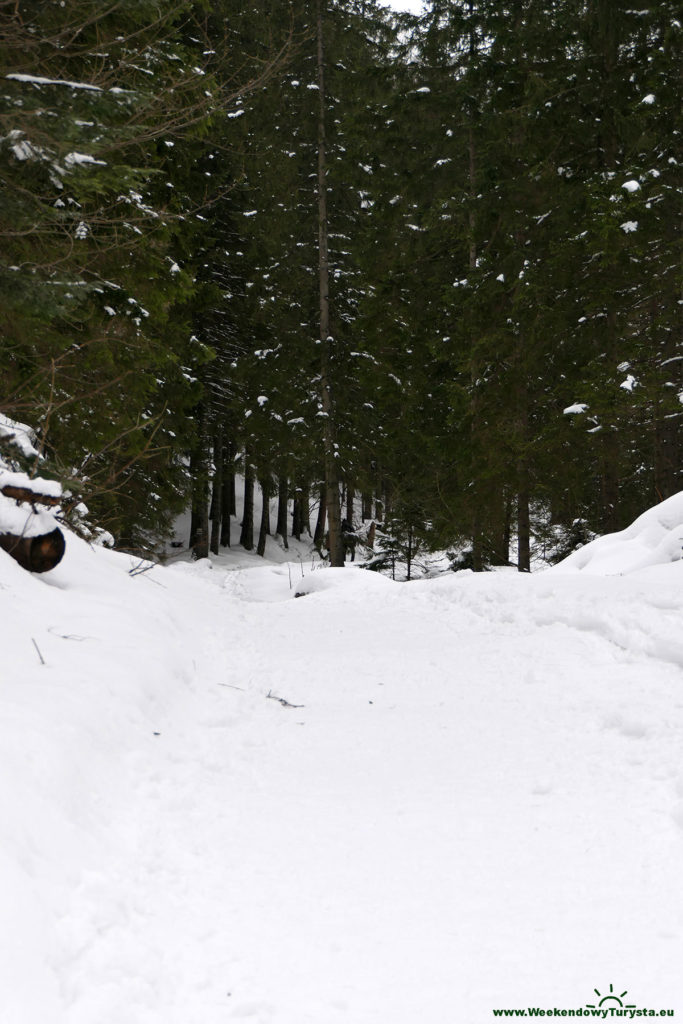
33 496
28 531
37 554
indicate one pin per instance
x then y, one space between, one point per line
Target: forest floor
284 794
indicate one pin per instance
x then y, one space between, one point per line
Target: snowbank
655 538
19 434
92 652
375 803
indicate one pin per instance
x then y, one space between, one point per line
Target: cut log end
35 554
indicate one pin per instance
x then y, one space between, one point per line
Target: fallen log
24 494
36 554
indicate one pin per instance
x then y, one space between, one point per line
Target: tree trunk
232 508
281 527
319 534
366 512
296 515
247 532
610 439
523 522
217 498
667 434
228 495
507 531
264 529
350 497
194 521
523 474
610 480
305 510
199 465
477 527
477 544
388 498
667 453
212 490
336 545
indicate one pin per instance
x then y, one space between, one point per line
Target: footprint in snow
629 727
677 814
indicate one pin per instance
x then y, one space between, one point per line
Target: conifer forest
424 267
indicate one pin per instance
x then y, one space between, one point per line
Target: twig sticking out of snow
42 659
281 700
142 566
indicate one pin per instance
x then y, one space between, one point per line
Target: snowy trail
479 804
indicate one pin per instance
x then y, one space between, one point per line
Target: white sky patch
404 6
629 226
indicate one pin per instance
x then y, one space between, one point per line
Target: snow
80 159
39 80
655 538
629 226
471 798
16 517
576 409
22 521
23 150
19 434
50 488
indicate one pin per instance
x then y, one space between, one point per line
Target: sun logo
610 1000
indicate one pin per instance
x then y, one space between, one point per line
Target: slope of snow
371 803
655 538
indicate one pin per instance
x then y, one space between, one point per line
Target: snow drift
655 538
466 794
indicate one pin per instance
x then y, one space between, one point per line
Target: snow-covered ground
470 799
